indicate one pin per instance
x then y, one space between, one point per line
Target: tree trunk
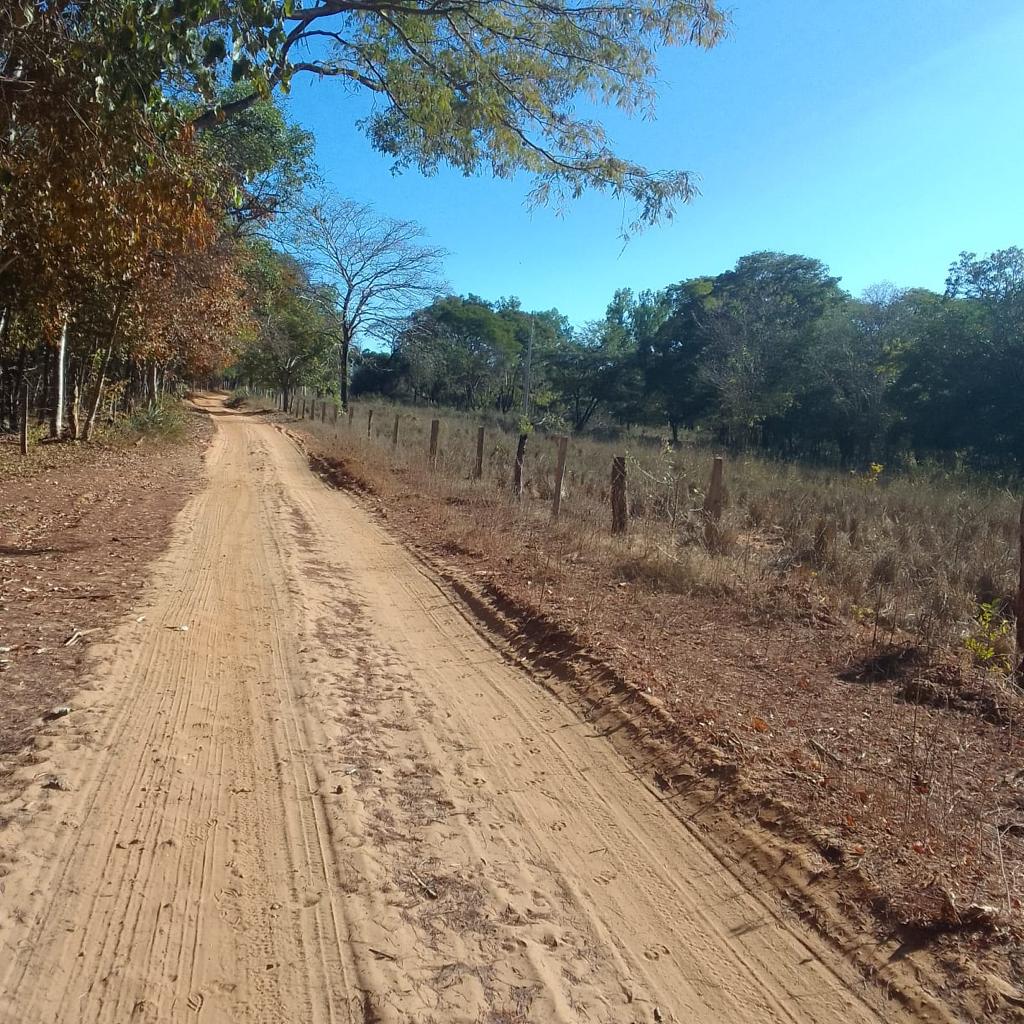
74 426
343 369
20 382
133 391
101 375
43 386
1019 603
57 395
12 385
152 391
24 418
97 392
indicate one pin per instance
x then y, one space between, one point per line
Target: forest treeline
771 354
128 240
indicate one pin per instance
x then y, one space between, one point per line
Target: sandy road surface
330 799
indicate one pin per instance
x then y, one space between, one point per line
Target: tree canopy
477 85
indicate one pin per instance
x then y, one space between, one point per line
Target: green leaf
241 68
214 50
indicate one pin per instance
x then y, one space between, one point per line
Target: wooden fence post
1019 610
715 497
478 468
435 427
369 422
714 501
620 510
394 432
678 490
556 498
24 418
517 473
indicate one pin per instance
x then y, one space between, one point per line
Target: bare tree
378 267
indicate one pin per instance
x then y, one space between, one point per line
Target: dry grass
913 555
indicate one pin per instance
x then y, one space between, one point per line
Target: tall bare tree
379 268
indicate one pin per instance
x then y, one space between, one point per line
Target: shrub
989 640
162 420
239 398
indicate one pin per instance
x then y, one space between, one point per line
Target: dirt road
330 799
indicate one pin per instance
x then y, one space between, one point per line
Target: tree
996 280
959 385
460 351
294 327
760 328
539 334
266 163
113 245
839 411
84 220
631 325
591 371
378 267
476 84
136 54
673 356
381 373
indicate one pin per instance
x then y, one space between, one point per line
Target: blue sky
882 138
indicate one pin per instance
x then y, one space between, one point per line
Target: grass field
922 555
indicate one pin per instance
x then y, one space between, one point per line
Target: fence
544 463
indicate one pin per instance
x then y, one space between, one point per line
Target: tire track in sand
184 884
